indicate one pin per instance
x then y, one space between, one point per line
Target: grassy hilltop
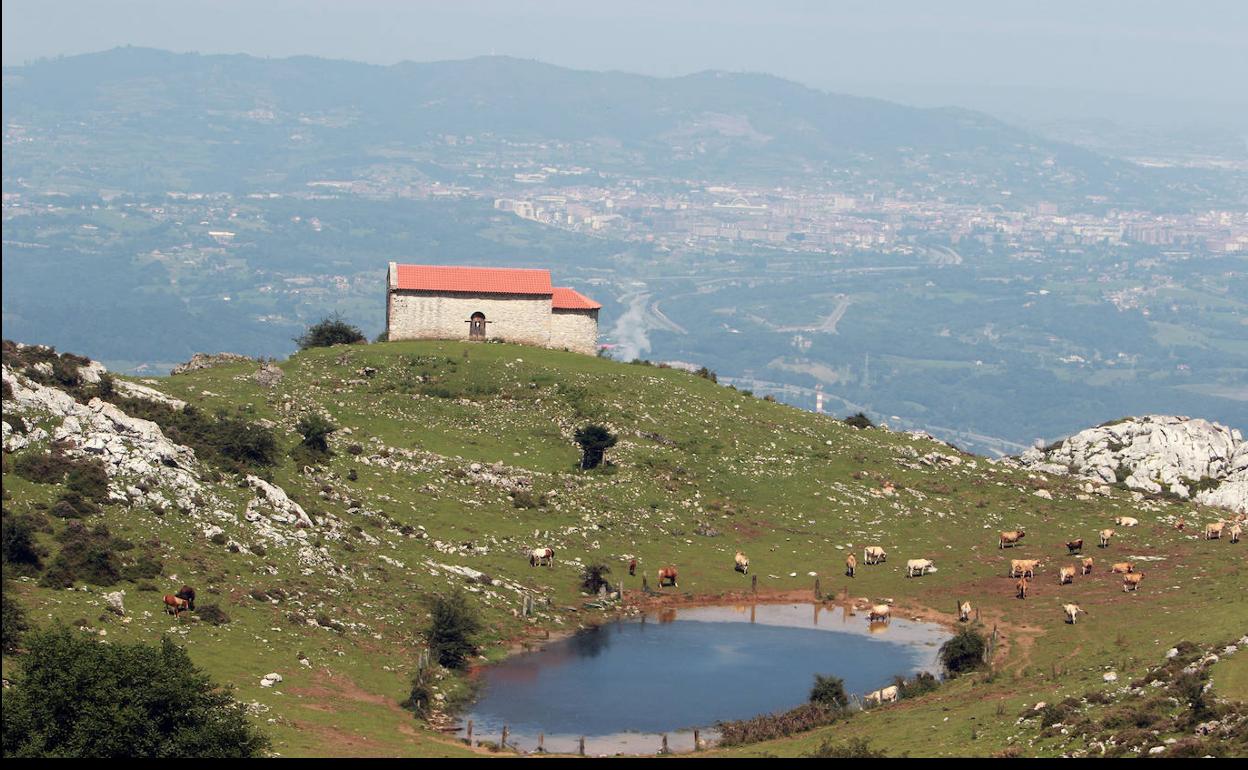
452 455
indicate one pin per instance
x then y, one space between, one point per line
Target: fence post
581 748
754 583
818 591
697 739
664 750
469 732
541 743
503 746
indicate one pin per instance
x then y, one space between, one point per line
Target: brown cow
1072 611
1122 568
1106 534
964 611
1074 546
1087 566
1023 567
851 565
175 605
1235 531
668 574
1065 575
632 566
1213 531
1021 587
1131 581
1180 524
1010 538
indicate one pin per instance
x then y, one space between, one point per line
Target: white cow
742 563
1126 521
918 567
1072 611
873 554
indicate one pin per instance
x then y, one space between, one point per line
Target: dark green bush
854 748
829 691
79 698
12 621
20 549
86 554
593 577
212 613
594 440
453 628
859 420
330 330
316 431
964 652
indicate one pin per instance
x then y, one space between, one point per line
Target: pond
623 684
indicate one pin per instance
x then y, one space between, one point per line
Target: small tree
13 622
315 430
860 421
77 697
330 330
595 440
964 652
829 691
593 577
453 627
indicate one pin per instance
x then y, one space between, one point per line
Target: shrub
229 442
964 652
12 622
923 682
44 467
770 726
420 698
453 627
829 691
593 578
315 430
21 551
86 554
594 440
79 698
854 748
860 421
329 331
212 613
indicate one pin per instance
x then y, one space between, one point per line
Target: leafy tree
829 691
315 430
330 330
79 698
593 577
453 627
860 421
12 621
964 652
20 549
595 440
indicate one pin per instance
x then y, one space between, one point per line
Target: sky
910 50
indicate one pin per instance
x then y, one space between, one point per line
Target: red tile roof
569 299
486 280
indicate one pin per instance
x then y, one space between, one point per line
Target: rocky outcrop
1190 458
209 360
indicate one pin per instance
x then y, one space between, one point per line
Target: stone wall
437 315
576 330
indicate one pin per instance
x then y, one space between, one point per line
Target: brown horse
175 605
668 574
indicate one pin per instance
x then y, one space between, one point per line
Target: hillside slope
452 460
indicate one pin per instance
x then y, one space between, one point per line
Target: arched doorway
476 326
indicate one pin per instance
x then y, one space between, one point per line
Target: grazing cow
873 554
540 556
880 612
1122 568
1074 546
1106 534
1065 575
1125 521
1131 581
1072 611
918 567
632 566
1010 538
1235 531
1023 567
188 593
668 575
851 565
964 611
1021 587
884 695
1087 566
174 605
741 563
1180 524
1213 531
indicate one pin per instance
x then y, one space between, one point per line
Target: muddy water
622 685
